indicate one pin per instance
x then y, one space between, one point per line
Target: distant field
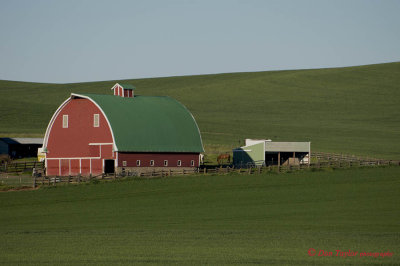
353 110
258 219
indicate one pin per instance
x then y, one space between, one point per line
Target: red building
94 134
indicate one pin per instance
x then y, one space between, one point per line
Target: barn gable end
80 147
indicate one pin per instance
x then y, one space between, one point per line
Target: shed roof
272 146
127 86
38 141
149 123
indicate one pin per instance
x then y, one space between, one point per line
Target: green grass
15 180
231 219
354 110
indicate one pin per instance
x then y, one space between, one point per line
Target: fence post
34 177
54 181
205 170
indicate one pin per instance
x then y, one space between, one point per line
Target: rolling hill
353 110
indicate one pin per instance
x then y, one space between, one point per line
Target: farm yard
223 215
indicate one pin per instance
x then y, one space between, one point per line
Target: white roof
287 146
28 140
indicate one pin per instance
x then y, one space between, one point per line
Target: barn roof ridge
108 95
148 123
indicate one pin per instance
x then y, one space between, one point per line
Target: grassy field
231 219
354 110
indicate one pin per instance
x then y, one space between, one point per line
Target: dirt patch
11 189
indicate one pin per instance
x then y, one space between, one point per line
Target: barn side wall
145 158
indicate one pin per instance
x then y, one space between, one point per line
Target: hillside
352 110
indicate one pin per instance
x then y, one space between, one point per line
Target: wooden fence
319 160
322 164
16 167
322 156
54 180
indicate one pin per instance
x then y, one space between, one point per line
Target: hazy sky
73 41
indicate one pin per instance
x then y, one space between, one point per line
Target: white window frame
179 163
96 120
165 162
151 162
137 162
124 163
65 121
192 163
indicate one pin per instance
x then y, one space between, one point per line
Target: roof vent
124 90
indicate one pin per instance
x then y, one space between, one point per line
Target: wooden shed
94 134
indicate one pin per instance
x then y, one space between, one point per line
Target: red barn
95 134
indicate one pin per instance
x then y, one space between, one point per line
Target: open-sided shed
267 152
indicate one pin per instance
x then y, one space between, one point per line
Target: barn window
96 120
65 121
165 162
151 162
137 162
192 162
179 163
123 163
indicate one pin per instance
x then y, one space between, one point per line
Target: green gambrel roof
149 123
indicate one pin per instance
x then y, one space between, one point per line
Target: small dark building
20 147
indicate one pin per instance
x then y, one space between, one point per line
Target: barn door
109 166
64 167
